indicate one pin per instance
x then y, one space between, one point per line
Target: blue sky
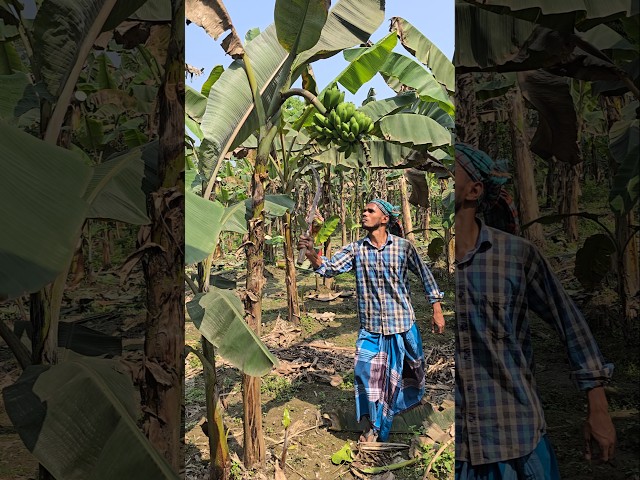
435 19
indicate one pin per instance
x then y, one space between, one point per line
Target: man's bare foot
369 436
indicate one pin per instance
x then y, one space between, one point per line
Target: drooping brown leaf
214 18
557 132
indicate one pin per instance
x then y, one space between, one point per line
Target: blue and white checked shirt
382 285
499 415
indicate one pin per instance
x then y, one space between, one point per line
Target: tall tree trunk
426 221
357 212
525 177
449 243
328 211
550 184
293 302
406 210
568 195
466 118
219 467
254 448
163 386
627 268
343 210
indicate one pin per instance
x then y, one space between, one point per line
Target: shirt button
461 295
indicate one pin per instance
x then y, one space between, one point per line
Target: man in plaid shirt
389 363
500 426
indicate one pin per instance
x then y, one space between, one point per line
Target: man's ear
475 192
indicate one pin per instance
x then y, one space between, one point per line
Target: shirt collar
484 242
389 241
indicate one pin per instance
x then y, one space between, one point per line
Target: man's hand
437 324
305 241
599 426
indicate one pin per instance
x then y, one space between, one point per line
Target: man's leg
369 379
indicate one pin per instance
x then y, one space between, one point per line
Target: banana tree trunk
627 268
426 221
293 302
525 176
568 196
343 210
466 118
355 233
406 210
162 389
218 448
254 447
326 193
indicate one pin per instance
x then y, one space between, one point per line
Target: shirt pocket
498 315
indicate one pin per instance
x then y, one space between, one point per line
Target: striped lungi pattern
388 377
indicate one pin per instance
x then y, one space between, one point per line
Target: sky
435 19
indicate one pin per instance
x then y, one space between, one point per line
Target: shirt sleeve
341 262
549 300
418 267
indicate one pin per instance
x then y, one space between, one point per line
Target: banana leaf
39 222
219 316
426 52
79 419
299 23
565 15
365 66
414 130
202 227
125 181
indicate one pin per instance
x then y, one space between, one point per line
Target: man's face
467 190
372 217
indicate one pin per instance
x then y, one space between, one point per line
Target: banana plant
248 99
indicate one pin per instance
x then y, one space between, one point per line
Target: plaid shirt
498 412
382 285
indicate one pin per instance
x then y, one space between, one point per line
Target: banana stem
310 97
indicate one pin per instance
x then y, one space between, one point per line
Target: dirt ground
314 378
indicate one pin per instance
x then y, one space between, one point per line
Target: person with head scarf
500 425
389 374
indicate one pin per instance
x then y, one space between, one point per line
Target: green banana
354 125
348 151
344 132
319 119
334 119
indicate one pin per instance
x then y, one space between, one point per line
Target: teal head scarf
391 210
394 226
482 168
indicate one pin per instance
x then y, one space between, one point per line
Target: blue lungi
389 376
541 464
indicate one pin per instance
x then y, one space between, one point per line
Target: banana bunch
342 125
332 98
